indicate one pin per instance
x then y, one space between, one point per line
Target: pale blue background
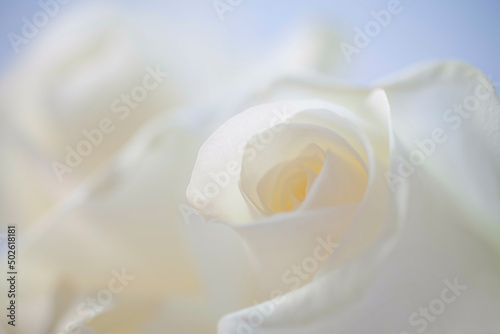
426 29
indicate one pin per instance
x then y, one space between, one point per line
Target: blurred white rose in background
58 95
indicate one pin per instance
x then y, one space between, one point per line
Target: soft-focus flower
402 177
57 96
290 172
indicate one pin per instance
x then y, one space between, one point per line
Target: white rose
62 103
400 183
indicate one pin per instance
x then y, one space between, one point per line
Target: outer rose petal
467 161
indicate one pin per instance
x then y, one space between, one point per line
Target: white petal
467 160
